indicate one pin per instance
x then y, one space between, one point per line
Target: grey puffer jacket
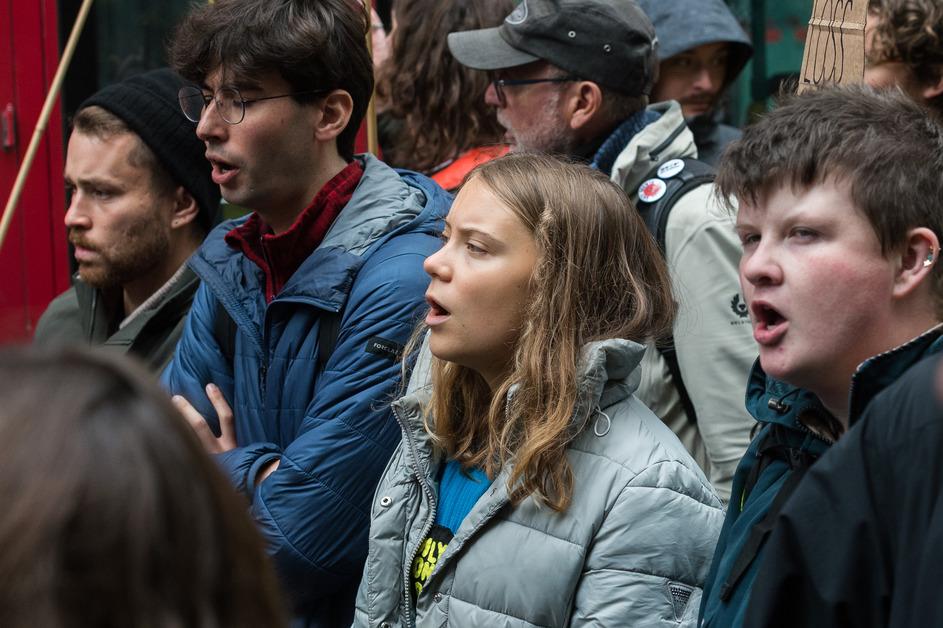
631 550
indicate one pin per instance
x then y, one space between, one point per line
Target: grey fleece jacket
631 550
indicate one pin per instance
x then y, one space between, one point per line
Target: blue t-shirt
459 491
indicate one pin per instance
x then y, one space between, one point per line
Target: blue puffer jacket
760 478
333 430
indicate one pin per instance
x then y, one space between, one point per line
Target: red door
34 263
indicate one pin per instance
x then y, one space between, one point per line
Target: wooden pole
372 141
44 115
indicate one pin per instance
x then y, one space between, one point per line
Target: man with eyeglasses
291 351
573 77
702 48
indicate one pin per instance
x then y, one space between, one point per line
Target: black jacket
860 543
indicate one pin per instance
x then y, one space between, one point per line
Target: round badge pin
652 190
670 168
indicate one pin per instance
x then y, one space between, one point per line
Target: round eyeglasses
230 105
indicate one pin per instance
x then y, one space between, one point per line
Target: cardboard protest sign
834 45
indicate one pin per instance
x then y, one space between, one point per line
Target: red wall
34 264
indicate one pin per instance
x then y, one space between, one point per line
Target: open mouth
767 315
223 167
222 170
435 308
769 324
437 314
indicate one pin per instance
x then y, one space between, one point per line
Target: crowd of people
644 368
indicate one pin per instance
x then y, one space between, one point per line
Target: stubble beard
550 134
138 252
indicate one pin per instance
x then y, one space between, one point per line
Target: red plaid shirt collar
279 256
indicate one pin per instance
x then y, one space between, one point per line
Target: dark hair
103 125
113 515
440 101
911 31
312 44
883 145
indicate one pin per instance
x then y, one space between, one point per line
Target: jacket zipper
428 525
91 327
263 367
263 370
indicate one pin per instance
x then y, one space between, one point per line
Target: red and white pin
652 190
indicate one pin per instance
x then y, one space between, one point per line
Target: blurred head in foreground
113 514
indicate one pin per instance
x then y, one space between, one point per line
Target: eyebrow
471 231
93 181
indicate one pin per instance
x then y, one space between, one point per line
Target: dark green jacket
761 476
88 316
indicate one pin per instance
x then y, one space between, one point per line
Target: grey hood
684 24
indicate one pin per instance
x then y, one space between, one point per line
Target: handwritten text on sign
834 46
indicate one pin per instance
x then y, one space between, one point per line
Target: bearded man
141 201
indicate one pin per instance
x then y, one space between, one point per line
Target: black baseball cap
609 42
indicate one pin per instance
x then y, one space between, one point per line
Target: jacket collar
880 371
668 137
101 312
607 372
613 145
384 203
773 401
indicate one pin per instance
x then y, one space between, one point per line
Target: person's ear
583 105
186 209
335 111
917 259
932 89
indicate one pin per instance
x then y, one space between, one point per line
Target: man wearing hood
702 49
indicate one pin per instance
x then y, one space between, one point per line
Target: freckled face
480 283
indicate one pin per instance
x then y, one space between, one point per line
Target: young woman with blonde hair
531 488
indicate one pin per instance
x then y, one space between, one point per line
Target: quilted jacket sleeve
314 509
198 359
650 556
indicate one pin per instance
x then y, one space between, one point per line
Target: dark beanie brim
148 104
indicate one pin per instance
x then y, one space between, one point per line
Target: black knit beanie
148 104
